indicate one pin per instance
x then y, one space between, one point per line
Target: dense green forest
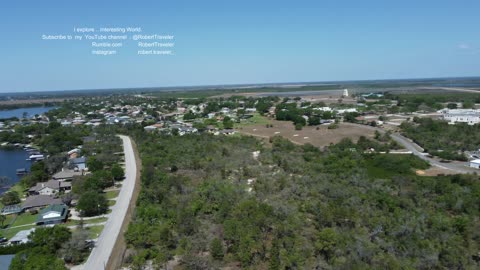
441 139
413 102
213 202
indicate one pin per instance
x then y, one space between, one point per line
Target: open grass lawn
257 119
94 231
20 189
21 222
24 219
72 222
111 202
112 194
9 219
9 233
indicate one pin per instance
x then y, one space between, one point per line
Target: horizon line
231 86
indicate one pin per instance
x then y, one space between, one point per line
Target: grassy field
24 219
94 231
111 202
18 223
111 194
309 134
20 189
257 119
72 222
9 233
9 219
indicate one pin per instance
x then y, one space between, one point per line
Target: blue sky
230 42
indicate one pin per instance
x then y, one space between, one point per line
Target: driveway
101 252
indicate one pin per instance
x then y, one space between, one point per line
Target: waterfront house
49 188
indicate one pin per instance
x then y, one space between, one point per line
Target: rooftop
22 236
66 174
39 201
53 184
55 212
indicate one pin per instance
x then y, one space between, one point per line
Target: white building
345 93
468 116
349 110
323 109
475 163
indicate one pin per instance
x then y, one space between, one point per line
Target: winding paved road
455 166
101 252
458 167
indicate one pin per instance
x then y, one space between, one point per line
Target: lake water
10 161
19 112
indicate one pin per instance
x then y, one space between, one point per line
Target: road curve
457 167
101 252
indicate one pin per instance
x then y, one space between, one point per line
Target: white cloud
464 46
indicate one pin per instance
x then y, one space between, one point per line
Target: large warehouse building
468 116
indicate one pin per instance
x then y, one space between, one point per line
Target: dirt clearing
309 134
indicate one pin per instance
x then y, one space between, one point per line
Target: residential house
49 188
53 214
186 130
37 201
66 175
225 110
227 132
150 128
73 153
78 164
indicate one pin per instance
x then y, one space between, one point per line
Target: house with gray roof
49 188
37 201
66 175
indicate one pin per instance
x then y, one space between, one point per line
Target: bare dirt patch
326 96
435 171
320 138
